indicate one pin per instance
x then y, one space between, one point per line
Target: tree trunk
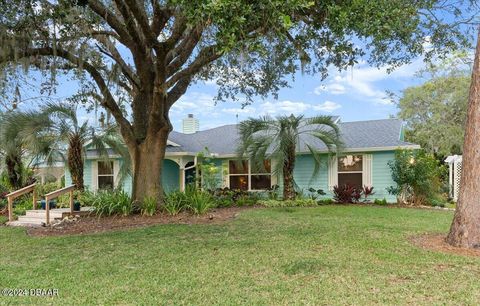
147 162
75 160
288 181
14 170
465 229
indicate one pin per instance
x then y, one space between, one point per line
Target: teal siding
304 167
87 175
170 177
382 175
303 173
127 181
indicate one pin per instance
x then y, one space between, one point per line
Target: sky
359 93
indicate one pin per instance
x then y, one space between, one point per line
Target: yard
323 255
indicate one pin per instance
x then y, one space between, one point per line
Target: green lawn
324 255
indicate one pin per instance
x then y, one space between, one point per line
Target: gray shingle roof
355 135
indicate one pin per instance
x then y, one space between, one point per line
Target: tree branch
137 36
115 55
142 21
205 56
182 52
108 101
98 8
160 18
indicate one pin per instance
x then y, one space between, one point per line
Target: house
369 146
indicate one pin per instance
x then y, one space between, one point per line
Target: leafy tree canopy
436 111
137 58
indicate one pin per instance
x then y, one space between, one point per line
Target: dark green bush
418 176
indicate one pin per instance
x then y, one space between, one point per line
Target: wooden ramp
37 217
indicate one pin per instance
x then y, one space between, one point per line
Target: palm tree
54 130
279 139
11 152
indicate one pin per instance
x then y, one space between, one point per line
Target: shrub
367 191
199 202
115 202
380 202
226 197
175 202
149 206
272 192
43 189
325 201
209 171
315 193
418 176
3 220
22 204
345 194
288 203
350 194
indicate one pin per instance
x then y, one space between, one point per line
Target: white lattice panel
457 175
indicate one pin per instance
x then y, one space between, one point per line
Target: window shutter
94 175
116 170
274 173
225 172
332 172
367 170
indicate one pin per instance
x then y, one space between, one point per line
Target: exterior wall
170 177
382 176
87 175
304 167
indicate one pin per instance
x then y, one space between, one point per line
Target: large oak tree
152 50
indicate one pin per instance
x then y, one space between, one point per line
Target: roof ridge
372 120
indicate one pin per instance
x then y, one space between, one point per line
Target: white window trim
95 175
249 175
356 171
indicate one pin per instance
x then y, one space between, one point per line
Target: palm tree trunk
288 181
14 170
465 229
75 161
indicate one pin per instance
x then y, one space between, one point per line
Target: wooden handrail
55 194
19 192
15 194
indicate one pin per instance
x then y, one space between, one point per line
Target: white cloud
362 81
327 106
333 88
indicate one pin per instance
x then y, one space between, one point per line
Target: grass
325 255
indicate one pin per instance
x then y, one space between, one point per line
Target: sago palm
56 129
280 139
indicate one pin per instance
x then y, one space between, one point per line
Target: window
243 177
350 169
105 175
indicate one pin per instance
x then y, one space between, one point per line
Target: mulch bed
94 224
436 242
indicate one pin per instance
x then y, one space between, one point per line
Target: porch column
182 179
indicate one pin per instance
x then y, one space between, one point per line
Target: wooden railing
13 195
55 194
